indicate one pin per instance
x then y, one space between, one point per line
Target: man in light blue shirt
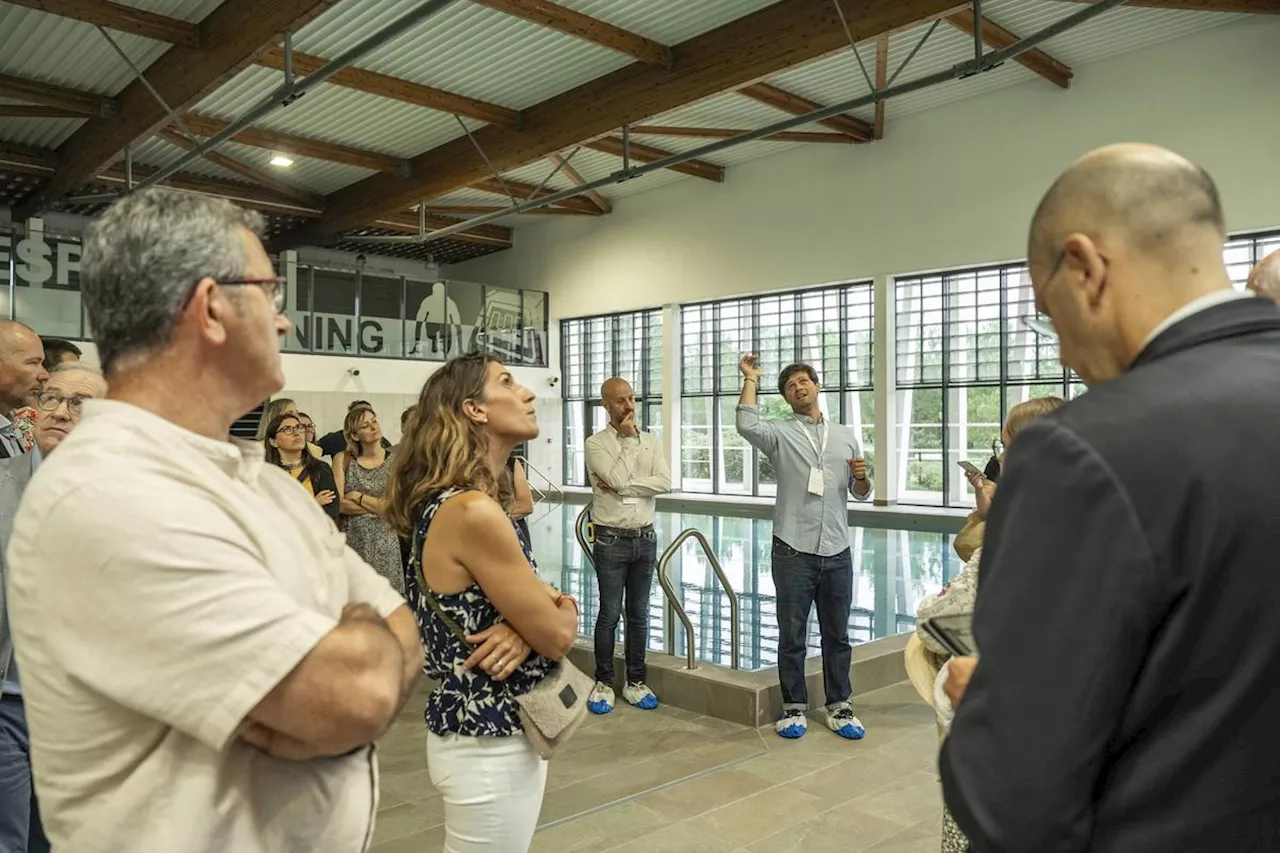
58 409
818 465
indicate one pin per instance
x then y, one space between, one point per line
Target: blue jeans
623 566
801 580
20 827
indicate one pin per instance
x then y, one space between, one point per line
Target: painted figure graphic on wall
437 323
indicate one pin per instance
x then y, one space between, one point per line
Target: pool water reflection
893 570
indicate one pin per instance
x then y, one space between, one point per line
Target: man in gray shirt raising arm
818 464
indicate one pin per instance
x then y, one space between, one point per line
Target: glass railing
335 311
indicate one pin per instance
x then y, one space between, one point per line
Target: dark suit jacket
15 474
1128 695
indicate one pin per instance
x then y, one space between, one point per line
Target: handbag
552 711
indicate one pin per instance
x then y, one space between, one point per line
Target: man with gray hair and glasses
205 665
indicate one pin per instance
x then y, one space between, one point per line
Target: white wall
947 187
323 387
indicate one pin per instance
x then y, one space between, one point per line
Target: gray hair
68 366
142 257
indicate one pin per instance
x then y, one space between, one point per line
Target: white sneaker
601 699
640 695
791 725
840 719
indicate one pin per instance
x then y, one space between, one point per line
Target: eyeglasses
49 402
275 292
291 430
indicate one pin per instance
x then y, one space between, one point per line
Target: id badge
815 481
631 502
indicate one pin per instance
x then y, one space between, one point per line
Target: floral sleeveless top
465 703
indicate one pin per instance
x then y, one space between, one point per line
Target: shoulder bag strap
432 601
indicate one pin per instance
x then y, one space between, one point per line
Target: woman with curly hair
451 492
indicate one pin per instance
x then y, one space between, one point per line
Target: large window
593 349
964 358
830 328
1244 251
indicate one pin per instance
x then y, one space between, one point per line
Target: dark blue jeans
624 567
801 580
20 827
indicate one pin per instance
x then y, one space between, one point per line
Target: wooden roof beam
780 99
85 104
602 204
125 19
997 37
302 146
726 133
243 169
749 48
231 36
26 111
27 160
1247 7
385 86
522 191
584 27
648 154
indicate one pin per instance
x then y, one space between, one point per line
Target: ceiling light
281 160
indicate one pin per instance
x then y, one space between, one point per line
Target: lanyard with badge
816 479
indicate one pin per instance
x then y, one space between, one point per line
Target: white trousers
492 790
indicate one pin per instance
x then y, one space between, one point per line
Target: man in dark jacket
1127 698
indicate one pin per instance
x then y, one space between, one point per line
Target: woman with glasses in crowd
309 430
452 493
361 472
925 658
285 445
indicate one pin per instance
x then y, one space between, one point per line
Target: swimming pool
893 570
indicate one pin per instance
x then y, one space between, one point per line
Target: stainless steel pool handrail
735 627
580 532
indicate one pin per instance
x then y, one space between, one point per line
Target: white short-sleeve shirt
161 584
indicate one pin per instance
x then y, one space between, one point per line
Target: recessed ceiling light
282 161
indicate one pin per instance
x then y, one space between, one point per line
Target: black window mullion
946 387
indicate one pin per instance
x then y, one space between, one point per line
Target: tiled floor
668 781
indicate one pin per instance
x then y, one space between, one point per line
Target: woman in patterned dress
450 490
361 473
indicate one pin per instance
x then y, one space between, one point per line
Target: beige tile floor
668 781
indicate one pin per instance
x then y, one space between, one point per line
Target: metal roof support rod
142 78
288 93
960 69
128 168
853 45
914 51
485 157
626 148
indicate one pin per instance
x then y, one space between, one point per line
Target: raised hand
749 364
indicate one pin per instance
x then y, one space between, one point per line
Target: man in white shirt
205 665
628 468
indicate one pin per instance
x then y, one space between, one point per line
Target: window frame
578 399
720 384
